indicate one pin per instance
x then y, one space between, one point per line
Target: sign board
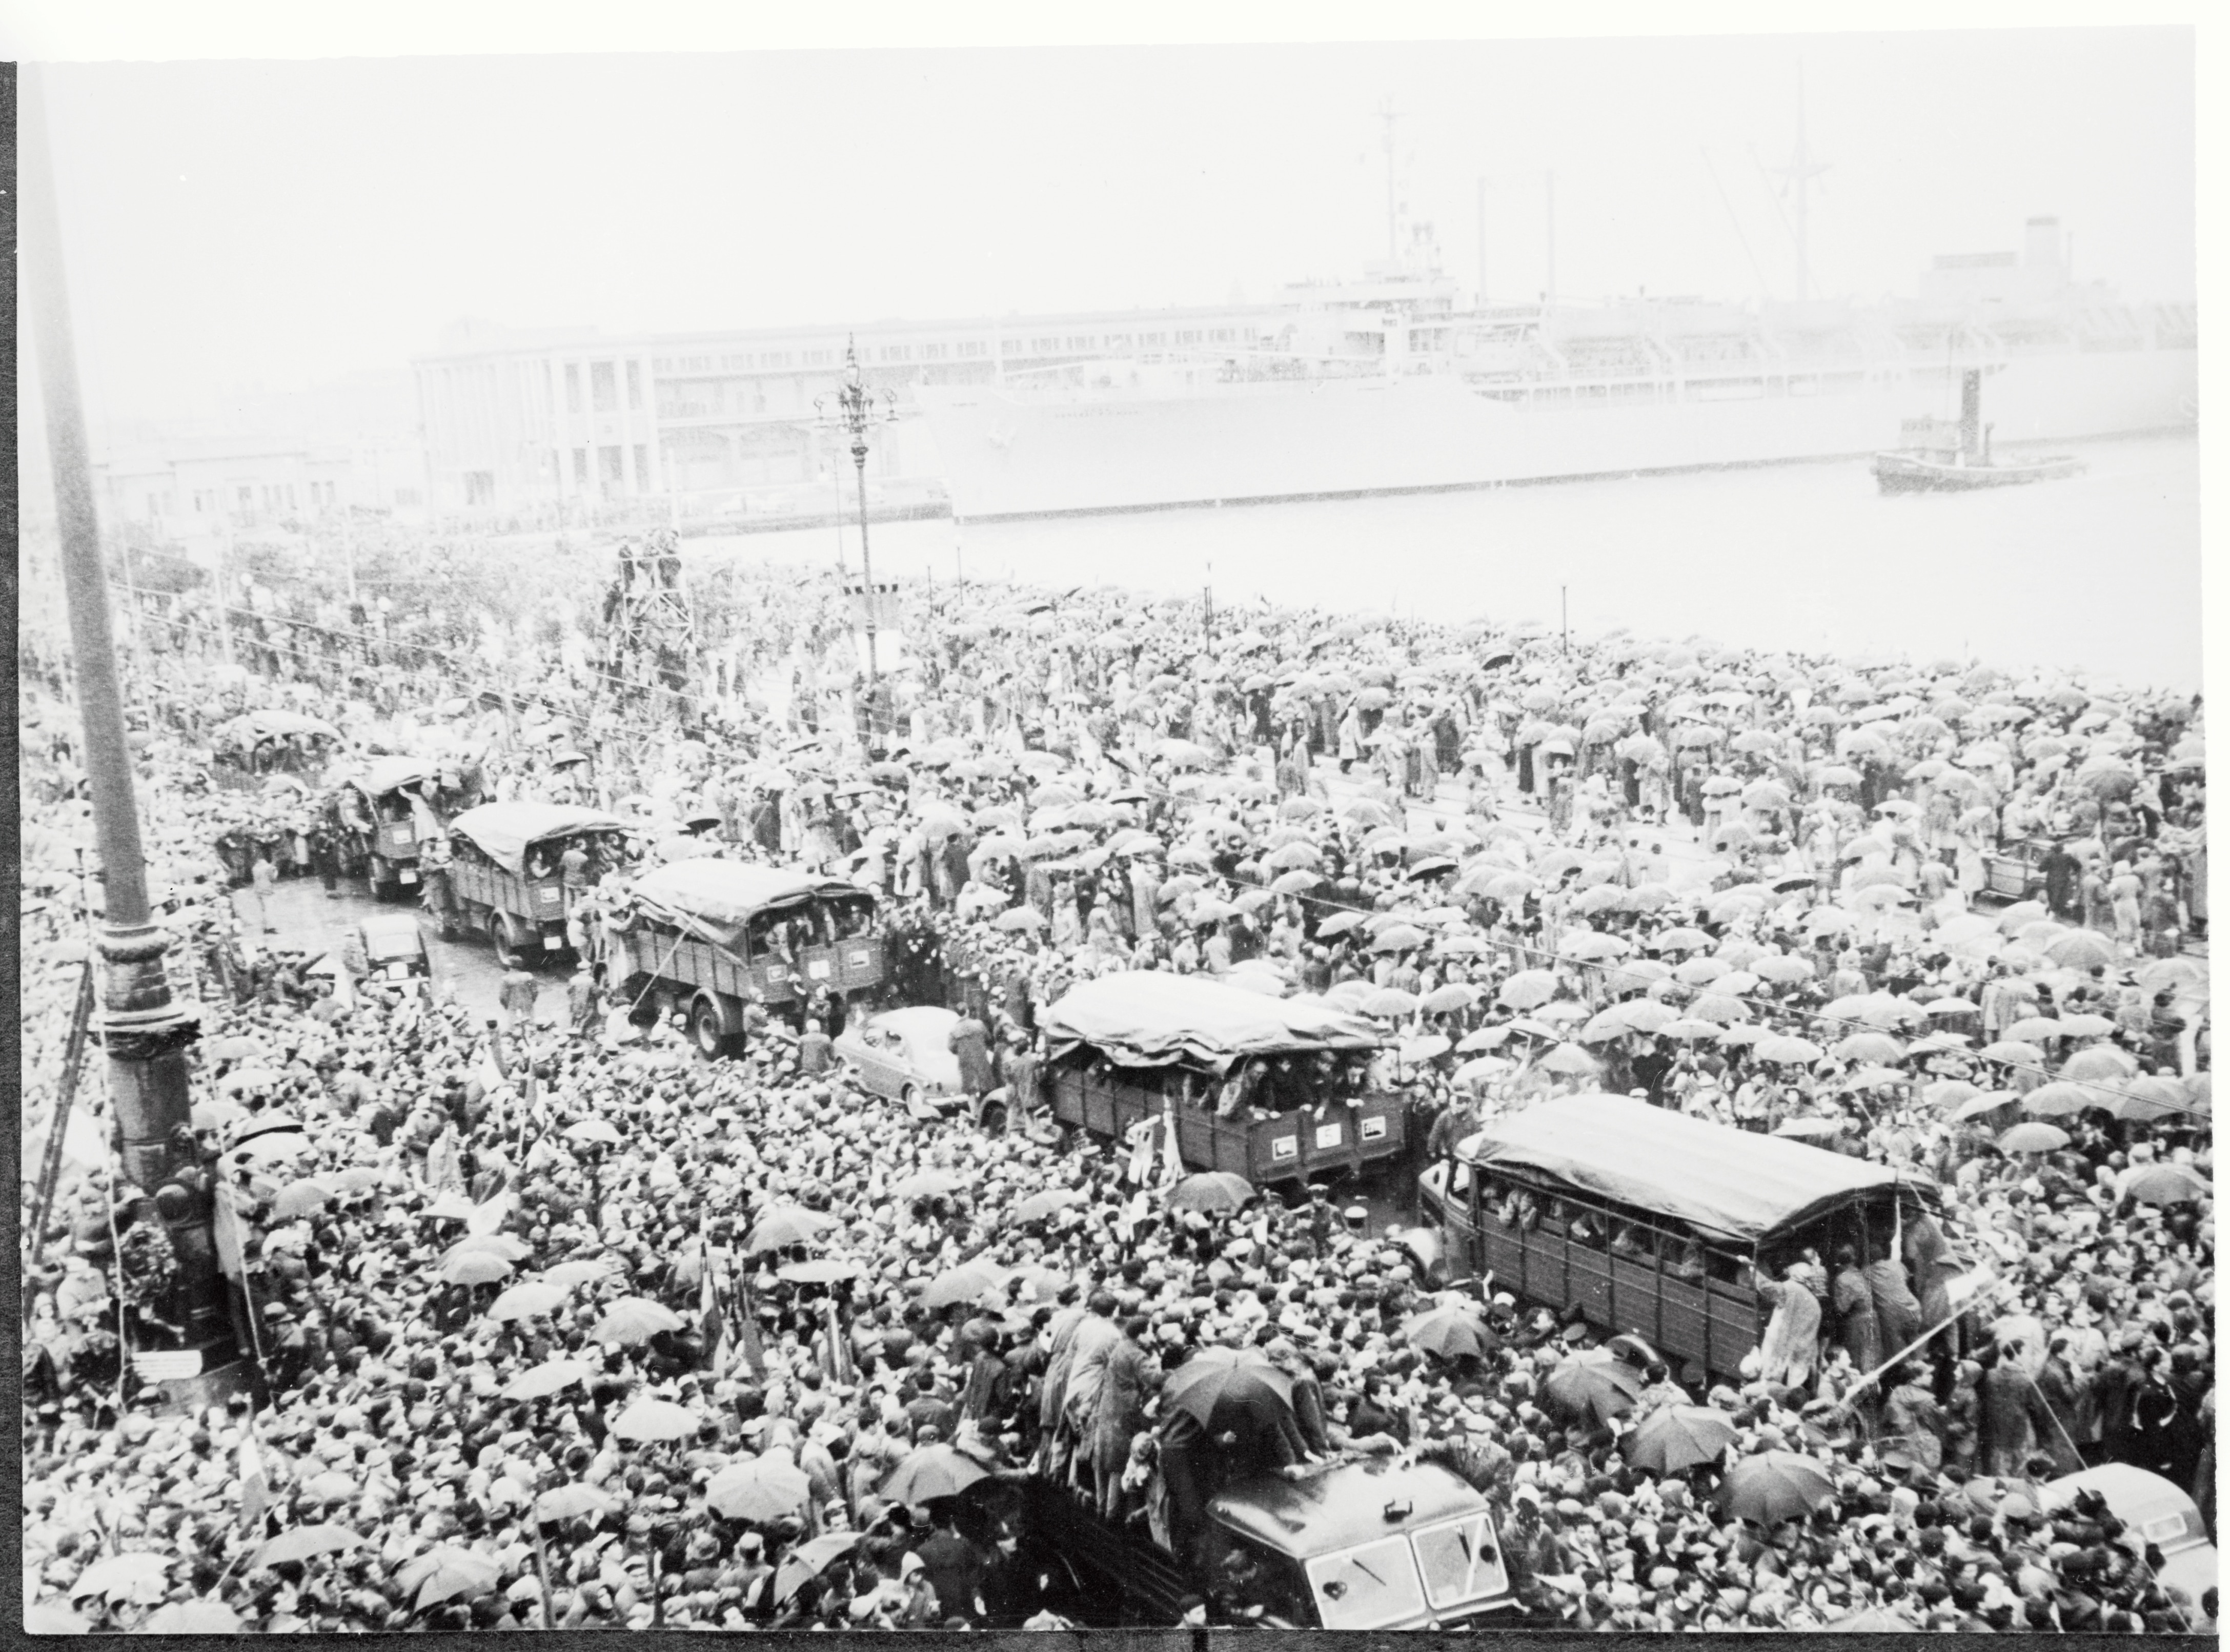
881 603
167 1365
1285 1147
1330 1135
1374 1128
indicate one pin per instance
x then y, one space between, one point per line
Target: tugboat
1940 457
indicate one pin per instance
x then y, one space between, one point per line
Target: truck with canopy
1260 1524
1651 1222
1274 1090
378 816
506 871
707 937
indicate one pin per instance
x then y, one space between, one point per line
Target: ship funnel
2044 249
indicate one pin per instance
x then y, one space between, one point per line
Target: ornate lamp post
852 409
143 1029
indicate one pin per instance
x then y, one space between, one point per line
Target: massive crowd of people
567 1326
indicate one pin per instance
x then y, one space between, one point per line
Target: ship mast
1387 113
1799 173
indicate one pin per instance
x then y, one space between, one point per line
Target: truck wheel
705 1026
993 1121
910 1094
500 941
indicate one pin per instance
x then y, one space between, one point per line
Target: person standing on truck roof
573 872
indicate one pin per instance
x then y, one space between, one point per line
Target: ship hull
1916 474
1006 455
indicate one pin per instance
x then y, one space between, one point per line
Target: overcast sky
289 223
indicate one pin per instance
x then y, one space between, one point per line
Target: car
2156 1510
906 1054
2014 869
393 947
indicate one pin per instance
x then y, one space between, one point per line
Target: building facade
517 421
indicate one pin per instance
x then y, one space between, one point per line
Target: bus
706 937
1275 1089
505 874
1651 1222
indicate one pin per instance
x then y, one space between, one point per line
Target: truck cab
1373 1543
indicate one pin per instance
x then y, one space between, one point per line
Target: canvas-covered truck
378 818
706 938
506 872
1274 1090
1651 1222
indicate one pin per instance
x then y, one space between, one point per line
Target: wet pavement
308 921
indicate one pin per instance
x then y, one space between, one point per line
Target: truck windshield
1460 1561
1368 1587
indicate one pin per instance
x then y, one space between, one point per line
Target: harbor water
2100 571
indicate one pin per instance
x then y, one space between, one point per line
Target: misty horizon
646 195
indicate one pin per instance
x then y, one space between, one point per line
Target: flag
708 1308
1172 1164
254 1487
490 1074
747 1332
836 1358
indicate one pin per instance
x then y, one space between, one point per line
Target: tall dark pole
142 1032
867 564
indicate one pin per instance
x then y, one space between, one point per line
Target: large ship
1389 385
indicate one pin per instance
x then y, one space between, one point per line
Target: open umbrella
2097 1064
527 1300
1781 1047
1211 1190
1528 989
1569 1059
2166 1184
576 1500
759 1489
2057 1100
585 1271
304 1198
1038 1206
539 1382
783 1225
962 1284
2034 1137
1220 1377
926 1184
1390 1003
135 1575
1594 1383
1452 1334
632 1319
1771 1486
304 1542
204 1615
1677 1437
655 1420
585 1132
474 1267
809 1559
930 1472
445 1573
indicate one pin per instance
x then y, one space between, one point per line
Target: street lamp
853 407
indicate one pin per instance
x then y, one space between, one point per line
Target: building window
735 361
603 388
819 357
406 496
580 467
613 475
480 487
573 387
641 467
972 347
634 386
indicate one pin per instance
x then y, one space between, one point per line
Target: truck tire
992 1121
498 934
708 1029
